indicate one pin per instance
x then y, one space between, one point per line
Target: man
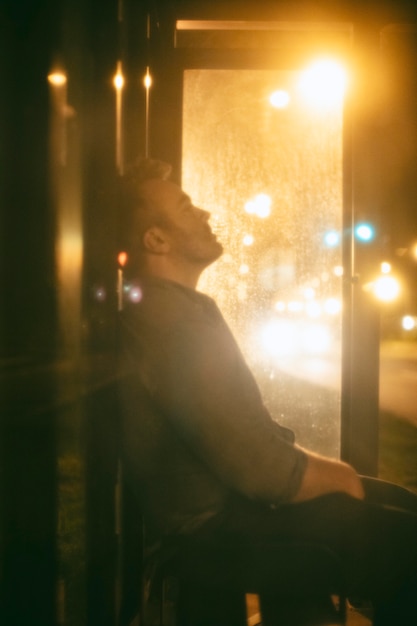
200 447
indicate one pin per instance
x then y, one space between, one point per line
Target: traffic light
364 232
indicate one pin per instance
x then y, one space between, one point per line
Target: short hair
147 169
136 213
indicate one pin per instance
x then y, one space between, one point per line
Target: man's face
185 226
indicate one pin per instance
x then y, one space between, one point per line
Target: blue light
332 238
364 232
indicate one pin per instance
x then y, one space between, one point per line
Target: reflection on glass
273 176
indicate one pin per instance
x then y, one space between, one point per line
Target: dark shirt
195 429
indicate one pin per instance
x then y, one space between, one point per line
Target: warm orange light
260 205
324 83
118 80
122 258
57 79
386 288
409 322
279 99
147 81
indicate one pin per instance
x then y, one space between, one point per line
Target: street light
57 79
280 99
386 288
118 82
323 84
409 322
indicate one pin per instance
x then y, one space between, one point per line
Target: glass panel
271 175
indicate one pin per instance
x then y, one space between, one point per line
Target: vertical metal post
348 281
147 84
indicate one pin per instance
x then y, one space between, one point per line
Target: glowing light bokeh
133 292
260 205
313 309
248 240
57 79
316 339
364 232
70 251
323 84
309 293
279 99
122 258
280 306
118 80
287 338
295 306
100 293
409 322
278 338
333 306
332 238
386 288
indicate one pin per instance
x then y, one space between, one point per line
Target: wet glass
270 172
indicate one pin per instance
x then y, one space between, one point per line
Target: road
398 379
398 376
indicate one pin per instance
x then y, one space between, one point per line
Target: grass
397 451
71 541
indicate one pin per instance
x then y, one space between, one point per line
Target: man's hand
323 475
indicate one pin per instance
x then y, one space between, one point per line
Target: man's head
167 234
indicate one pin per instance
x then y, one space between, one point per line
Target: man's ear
155 241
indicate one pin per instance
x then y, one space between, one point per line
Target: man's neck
186 276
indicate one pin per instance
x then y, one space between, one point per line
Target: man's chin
220 249
215 253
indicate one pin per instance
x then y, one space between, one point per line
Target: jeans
375 539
